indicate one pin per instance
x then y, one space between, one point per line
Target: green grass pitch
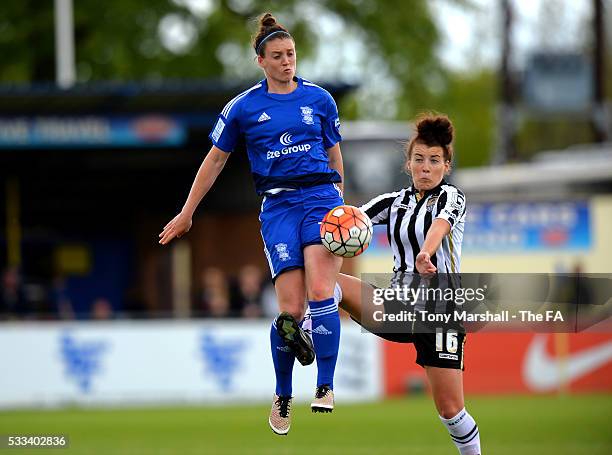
508 425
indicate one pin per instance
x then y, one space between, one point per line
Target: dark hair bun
267 26
267 20
435 130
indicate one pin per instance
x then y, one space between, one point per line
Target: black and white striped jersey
408 218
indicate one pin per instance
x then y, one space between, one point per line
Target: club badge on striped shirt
431 203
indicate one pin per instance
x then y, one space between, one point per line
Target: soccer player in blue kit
291 129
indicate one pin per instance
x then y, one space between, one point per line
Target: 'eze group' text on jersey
286 135
409 217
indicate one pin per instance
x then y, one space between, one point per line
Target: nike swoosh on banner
542 372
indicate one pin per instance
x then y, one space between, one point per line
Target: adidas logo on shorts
321 330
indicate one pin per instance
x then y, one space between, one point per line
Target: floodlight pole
65 71
601 121
506 116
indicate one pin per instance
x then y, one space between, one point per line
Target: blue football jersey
286 135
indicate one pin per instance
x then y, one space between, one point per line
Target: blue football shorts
290 221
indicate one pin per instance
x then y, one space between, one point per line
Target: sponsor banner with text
517 227
97 131
527 226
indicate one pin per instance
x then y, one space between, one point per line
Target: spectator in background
214 295
247 296
574 289
134 305
61 304
101 309
13 302
269 301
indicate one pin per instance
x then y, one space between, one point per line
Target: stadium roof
115 96
576 171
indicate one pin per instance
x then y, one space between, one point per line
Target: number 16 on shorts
446 341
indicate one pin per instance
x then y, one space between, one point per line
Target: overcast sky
474 35
471 35
471 38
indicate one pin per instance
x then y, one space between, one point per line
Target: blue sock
326 338
283 360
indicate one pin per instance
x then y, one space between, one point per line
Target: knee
295 309
298 314
449 408
319 291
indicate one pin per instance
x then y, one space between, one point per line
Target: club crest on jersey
307 117
431 203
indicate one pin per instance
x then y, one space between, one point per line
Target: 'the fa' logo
307 117
281 249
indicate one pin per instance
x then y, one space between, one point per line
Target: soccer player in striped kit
425 230
292 133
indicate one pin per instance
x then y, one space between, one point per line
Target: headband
277 32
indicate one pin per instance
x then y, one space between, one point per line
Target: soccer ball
346 231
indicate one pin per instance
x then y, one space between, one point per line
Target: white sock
337 294
464 433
